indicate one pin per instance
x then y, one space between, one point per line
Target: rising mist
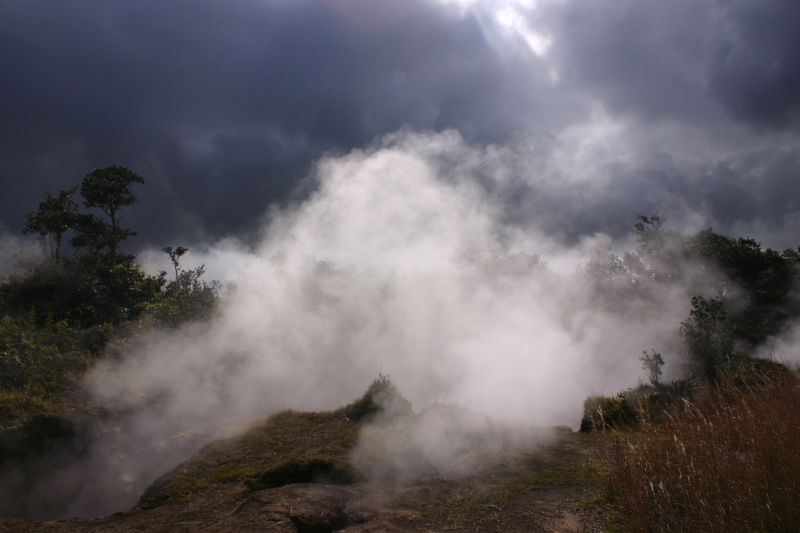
403 263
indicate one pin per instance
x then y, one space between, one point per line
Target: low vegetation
722 459
714 451
288 447
57 319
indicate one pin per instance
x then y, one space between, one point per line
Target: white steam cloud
785 347
401 263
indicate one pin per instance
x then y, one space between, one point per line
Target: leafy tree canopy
109 189
55 216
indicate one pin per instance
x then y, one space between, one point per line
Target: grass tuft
722 460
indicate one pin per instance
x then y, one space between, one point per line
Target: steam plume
401 263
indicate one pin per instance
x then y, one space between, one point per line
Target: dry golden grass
725 460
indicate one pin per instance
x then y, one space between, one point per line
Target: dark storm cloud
223 106
666 59
637 57
707 93
755 66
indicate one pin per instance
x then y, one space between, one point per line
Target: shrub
381 396
37 361
186 299
85 292
605 412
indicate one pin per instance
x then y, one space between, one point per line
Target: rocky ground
294 472
554 489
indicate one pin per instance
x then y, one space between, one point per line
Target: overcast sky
603 109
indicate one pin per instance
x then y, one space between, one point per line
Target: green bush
86 291
38 361
186 299
606 412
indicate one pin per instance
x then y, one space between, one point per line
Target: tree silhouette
175 255
56 215
109 189
707 336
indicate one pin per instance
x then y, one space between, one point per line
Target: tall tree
109 189
56 215
707 336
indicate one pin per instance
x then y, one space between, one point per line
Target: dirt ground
553 489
